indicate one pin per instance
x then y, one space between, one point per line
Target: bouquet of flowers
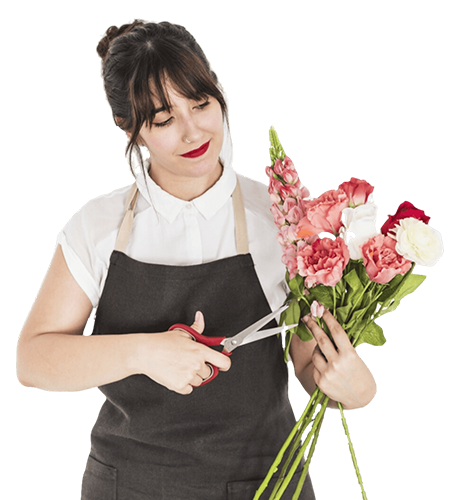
336 258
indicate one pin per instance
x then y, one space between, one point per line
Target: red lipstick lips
197 152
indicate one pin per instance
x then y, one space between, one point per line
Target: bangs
168 65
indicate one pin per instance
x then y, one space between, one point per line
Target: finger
323 341
339 335
318 360
199 322
206 372
217 359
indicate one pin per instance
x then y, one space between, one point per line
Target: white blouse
171 231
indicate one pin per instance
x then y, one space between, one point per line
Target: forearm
66 362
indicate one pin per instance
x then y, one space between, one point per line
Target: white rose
418 242
359 226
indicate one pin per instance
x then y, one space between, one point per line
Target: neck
186 188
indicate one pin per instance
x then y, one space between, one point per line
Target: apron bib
150 443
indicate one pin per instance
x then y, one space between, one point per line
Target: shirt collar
208 204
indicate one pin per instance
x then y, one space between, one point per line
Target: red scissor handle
203 339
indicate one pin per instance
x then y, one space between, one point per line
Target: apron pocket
245 490
99 481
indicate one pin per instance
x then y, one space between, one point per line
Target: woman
190 242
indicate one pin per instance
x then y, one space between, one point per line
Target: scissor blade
266 333
231 343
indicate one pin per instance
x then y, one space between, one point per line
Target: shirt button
188 206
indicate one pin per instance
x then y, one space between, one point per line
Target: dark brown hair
140 56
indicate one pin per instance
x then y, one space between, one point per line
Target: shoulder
100 216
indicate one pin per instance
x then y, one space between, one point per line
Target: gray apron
218 442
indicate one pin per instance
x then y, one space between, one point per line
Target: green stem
303 297
305 421
352 451
334 300
299 456
305 469
361 295
278 459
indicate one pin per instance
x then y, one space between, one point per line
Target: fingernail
306 318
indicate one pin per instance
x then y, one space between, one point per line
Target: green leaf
340 289
323 294
355 286
409 285
372 335
303 332
296 285
391 288
342 313
362 273
353 280
292 315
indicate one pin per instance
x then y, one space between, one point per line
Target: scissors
250 334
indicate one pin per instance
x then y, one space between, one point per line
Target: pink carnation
323 214
323 261
381 260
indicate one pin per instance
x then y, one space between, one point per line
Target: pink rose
381 260
323 261
357 191
323 214
404 211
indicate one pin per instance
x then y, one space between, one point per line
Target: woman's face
185 144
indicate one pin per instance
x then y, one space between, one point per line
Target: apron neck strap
126 224
241 233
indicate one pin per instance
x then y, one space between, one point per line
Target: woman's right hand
177 362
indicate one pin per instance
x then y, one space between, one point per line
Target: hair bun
112 33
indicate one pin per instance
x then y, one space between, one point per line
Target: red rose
405 210
358 191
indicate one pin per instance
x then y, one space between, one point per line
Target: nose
191 132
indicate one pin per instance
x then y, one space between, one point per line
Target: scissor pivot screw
233 342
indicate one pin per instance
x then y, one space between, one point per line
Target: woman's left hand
338 371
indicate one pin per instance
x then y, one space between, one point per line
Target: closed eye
203 105
164 124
